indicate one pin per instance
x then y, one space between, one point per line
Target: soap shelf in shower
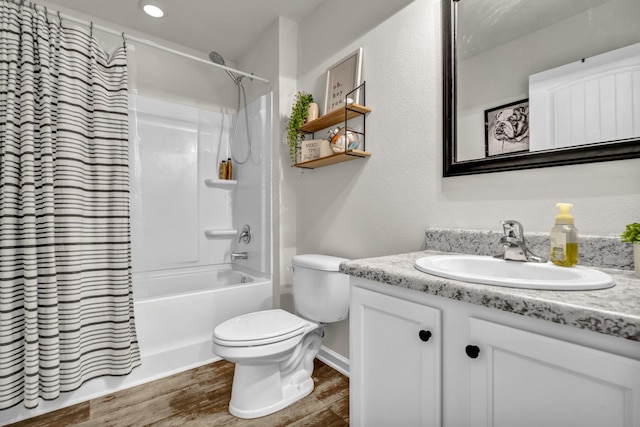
220 232
210 182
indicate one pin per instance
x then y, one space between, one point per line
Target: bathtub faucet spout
238 255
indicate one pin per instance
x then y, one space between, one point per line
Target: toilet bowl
273 349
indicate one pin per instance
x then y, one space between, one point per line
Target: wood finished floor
200 397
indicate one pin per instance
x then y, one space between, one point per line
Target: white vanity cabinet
397 343
530 380
482 367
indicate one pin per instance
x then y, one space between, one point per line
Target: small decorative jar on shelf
312 112
339 137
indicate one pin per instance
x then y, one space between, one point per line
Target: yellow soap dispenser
564 238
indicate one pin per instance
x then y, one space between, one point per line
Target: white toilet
273 349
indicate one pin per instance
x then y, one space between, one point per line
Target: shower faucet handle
245 234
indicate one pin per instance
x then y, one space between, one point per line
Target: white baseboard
335 360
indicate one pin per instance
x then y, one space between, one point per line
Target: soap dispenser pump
564 238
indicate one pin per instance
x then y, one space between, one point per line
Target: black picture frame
600 152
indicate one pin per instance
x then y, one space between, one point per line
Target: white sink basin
513 274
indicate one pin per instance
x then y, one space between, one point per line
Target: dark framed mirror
520 79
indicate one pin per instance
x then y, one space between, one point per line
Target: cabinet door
525 379
395 368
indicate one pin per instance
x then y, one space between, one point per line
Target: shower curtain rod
159 46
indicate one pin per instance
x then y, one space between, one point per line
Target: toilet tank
320 291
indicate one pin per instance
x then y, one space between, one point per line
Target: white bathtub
176 312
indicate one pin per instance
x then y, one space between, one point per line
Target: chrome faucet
239 255
515 247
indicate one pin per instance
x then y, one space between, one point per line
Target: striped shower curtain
66 306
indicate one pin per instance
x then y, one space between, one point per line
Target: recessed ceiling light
151 8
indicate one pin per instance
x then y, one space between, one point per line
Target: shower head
216 58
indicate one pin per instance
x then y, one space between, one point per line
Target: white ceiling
226 26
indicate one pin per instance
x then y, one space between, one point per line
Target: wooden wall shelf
332 160
339 116
334 117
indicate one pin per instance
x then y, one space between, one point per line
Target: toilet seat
259 328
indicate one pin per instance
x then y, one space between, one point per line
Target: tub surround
614 311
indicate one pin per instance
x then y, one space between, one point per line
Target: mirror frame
598 152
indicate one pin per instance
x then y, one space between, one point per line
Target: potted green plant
632 235
299 113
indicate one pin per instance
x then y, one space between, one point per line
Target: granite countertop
614 311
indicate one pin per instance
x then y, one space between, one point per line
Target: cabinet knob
424 335
472 351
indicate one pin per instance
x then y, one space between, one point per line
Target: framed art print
506 128
342 78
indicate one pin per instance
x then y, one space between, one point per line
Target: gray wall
383 205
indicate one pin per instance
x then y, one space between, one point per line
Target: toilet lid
263 326
318 262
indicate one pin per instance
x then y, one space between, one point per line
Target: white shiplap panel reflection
589 101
